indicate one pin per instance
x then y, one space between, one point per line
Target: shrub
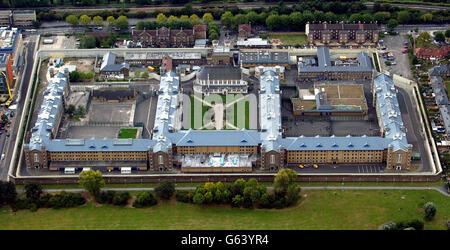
237 188
388 226
106 197
20 203
165 190
33 191
66 199
237 201
265 201
416 224
198 198
44 201
279 203
429 210
183 196
121 198
8 192
208 197
226 196
33 207
145 199
248 203
292 194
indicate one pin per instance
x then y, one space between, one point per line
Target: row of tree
121 22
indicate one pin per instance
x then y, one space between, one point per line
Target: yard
292 38
126 133
318 209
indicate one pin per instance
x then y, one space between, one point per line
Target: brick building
342 34
168 38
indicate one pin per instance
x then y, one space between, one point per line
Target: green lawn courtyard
293 38
126 133
318 209
236 112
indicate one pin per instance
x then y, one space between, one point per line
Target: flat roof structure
326 64
8 39
263 57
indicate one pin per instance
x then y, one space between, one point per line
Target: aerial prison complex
215 150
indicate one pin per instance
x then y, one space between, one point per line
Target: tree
392 23
110 20
427 17
165 190
283 179
382 16
87 42
4 119
429 210
213 35
273 22
85 20
292 194
122 22
355 18
141 14
144 75
207 18
33 191
194 19
72 19
252 17
403 16
226 19
297 20
184 18
447 33
330 17
161 18
98 20
208 197
137 73
71 108
439 37
92 181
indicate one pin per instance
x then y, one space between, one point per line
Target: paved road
23 92
438 189
240 5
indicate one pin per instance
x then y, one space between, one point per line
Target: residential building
433 54
168 38
6 73
342 34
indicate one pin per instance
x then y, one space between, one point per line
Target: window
36 158
160 160
399 158
272 159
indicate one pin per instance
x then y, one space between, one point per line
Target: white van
69 170
125 170
86 169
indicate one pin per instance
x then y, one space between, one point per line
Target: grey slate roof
165 112
335 143
263 57
108 63
389 111
270 115
219 138
99 145
53 94
220 73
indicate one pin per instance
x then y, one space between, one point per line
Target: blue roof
100 145
334 143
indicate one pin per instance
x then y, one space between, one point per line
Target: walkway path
438 189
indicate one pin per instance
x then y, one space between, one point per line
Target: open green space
288 39
447 87
318 209
126 133
301 184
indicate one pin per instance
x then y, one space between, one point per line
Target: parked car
7 134
404 51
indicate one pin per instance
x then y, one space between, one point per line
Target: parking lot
394 44
59 42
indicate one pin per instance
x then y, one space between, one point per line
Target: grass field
290 39
126 133
320 209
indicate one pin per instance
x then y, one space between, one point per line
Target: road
240 5
438 189
28 62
